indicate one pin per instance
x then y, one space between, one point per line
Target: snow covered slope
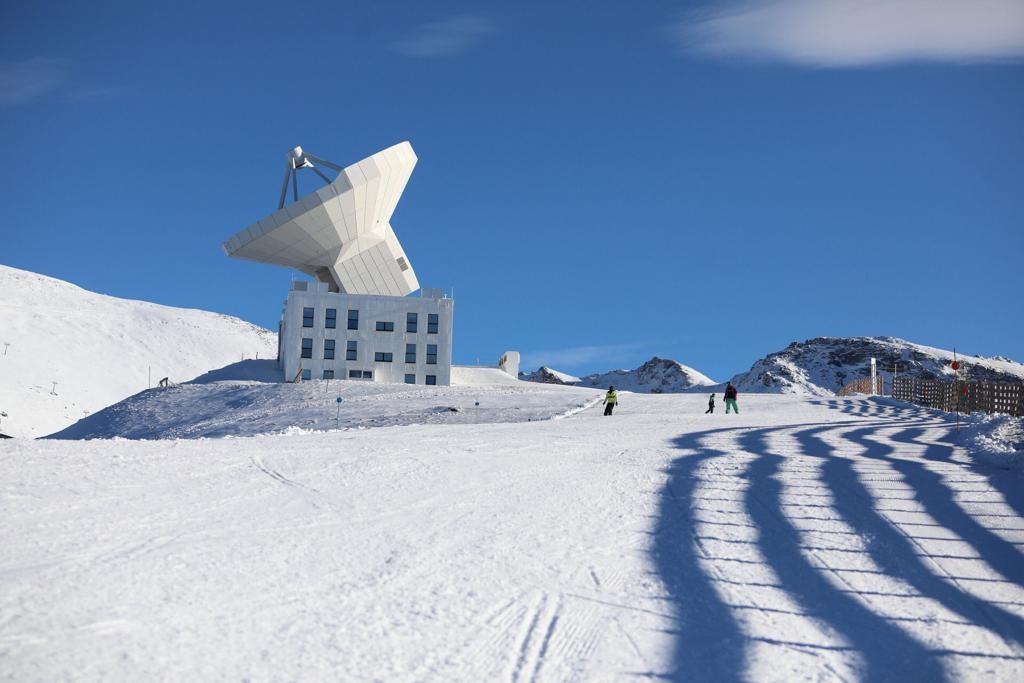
801 540
820 366
100 349
248 399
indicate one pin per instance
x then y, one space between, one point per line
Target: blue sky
598 183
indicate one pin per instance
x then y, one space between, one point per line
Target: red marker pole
956 369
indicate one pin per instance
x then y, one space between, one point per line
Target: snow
248 399
996 439
564 377
803 539
100 349
474 376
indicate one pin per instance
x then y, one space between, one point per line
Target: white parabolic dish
341 234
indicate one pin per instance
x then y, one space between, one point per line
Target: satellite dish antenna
340 234
298 159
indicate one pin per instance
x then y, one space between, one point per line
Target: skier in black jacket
711 405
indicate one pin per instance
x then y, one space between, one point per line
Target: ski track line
524 641
535 645
488 652
310 495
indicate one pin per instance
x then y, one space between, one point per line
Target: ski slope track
807 538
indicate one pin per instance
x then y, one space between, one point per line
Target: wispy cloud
574 358
446 37
28 80
850 33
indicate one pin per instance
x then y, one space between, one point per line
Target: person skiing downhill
730 399
610 400
711 405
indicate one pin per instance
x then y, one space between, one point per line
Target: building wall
509 362
368 340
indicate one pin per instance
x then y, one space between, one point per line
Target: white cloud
25 81
450 36
849 33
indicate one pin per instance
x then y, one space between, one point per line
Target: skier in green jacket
730 399
610 401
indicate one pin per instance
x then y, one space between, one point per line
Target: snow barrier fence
965 397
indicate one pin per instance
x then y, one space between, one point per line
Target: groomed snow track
848 539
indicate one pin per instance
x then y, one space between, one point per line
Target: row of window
410 378
352 352
331 321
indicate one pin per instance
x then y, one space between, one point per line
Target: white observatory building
357 320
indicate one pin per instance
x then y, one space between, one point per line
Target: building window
431 354
431 379
432 319
410 378
367 374
307 347
307 374
355 374
353 319
331 319
328 374
307 317
410 321
382 357
410 353
383 326
328 349
351 350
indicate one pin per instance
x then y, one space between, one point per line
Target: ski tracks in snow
803 540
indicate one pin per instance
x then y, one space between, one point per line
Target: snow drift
248 399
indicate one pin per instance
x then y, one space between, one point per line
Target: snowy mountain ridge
815 367
68 352
821 366
656 376
546 375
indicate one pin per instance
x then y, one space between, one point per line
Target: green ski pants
731 403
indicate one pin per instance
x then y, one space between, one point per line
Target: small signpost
337 420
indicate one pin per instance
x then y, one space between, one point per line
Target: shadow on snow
711 644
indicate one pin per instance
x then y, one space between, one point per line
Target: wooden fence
863 386
965 397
